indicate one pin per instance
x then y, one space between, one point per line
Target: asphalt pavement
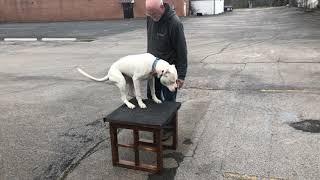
250 104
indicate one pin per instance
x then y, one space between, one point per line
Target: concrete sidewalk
252 74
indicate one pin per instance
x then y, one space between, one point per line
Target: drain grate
308 125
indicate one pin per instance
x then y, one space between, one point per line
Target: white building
207 7
307 3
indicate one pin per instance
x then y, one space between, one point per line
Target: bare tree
192 9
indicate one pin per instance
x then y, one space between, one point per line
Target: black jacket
166 40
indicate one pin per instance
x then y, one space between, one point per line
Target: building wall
139 8
59 10
308 3
256 3
69 10
208 7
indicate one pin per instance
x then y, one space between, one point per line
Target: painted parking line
20 39
58 39
49 39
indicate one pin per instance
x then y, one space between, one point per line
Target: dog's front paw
130 105
156 100
142 105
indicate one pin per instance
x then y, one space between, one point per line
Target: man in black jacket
166 40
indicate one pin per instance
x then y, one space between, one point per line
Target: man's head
155 9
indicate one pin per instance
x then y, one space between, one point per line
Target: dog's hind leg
120 82
124 96
129 88
136 84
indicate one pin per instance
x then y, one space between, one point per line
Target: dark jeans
162 92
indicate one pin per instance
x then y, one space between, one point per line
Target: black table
154 118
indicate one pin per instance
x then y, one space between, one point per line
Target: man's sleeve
179 43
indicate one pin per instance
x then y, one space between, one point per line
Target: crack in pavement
238 72
221 51
245 65
73 165
279 73
224 48
194 150
203 44
74 145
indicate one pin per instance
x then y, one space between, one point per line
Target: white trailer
207 7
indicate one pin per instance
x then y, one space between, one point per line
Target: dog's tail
91 77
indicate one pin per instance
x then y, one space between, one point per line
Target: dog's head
169 78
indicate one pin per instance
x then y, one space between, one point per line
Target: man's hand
180 83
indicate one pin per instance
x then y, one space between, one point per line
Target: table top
154 115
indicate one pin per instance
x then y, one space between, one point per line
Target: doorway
127 10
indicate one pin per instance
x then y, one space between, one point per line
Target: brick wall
139 8
69 10
59 10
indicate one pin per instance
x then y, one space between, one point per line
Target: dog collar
155 64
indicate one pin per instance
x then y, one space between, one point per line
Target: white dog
139 67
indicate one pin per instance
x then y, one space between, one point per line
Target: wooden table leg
114 144
136 147
158 142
